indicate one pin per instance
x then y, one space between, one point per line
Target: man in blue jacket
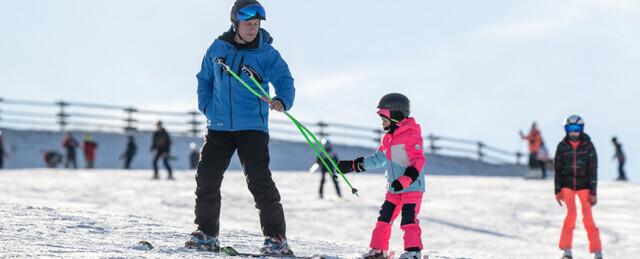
238 120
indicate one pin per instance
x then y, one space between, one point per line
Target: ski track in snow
105 213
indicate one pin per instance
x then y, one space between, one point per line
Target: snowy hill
105 213
26 147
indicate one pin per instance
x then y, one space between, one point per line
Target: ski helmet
244 10
326 144
394 106
574 123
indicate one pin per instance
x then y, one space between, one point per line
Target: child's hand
401 183
559 198
397 186
348 166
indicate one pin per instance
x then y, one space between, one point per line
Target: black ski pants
253 151
71 159
334 179
164 154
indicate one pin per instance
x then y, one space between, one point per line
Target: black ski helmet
239 4
397 104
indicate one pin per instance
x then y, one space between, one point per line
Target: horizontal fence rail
65 115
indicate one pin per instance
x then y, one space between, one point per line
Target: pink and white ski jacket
397 152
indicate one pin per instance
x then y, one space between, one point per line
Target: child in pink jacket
401 152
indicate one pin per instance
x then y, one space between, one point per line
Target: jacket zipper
575 167
260 107
230 99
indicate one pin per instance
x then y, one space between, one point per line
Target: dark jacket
333 155
70 144
576 169
161 140
619 153
131 149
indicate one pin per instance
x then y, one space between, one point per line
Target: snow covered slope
105 213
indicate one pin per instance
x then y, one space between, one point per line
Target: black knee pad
386 212
408 214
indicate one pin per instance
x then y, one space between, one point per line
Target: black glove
397 186
348 166
409 177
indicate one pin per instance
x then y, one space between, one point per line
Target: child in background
576 167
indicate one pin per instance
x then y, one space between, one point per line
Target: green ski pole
303 130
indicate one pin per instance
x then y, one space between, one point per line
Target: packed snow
105 213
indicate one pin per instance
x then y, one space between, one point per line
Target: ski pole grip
220 61
247 70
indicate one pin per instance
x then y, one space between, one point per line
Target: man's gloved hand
348 166
593 199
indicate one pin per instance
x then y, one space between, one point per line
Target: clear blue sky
473 69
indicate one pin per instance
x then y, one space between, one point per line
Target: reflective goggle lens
251 12
573 128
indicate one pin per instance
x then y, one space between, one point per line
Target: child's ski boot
410 255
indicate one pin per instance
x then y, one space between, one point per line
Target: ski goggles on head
386 114
573 128
251 12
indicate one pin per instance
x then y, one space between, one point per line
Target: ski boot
374 254
200 240
566 254
410 255
597 255
276 245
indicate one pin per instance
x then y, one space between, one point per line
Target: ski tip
229 251
145 245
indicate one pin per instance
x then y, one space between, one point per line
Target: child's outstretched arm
361 164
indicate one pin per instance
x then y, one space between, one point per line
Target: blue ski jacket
226 103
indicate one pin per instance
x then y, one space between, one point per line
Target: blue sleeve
377 160
205 81
281 79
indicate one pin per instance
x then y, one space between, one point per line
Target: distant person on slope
534 140
543 158
70 144
3 154
52 158
89 147
619 155
129 152
237 120
402 153
194 155
161 145
576 168
323 171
